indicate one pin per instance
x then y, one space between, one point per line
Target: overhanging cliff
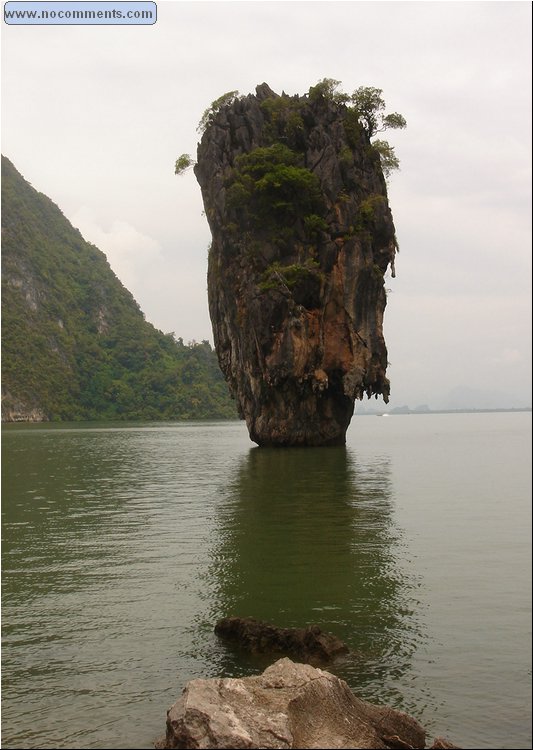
302 237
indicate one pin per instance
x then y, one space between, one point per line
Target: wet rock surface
288 706
310 644
302 236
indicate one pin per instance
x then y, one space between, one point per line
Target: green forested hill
75 345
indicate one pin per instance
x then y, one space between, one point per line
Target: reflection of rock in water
307 535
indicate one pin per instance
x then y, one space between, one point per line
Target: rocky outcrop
14 410
309 644
302 236
288 706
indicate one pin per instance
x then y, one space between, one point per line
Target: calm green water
123 545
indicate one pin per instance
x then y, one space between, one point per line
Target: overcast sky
94 117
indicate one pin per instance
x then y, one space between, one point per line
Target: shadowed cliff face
302 236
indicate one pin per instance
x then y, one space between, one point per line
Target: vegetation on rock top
273 190
364 107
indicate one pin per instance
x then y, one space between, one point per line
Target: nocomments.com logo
79 13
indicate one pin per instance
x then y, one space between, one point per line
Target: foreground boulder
302 237
288 706
309 644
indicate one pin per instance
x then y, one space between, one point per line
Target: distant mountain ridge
75 344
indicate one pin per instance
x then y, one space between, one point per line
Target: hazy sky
95 117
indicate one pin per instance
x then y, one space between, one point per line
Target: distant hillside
75 345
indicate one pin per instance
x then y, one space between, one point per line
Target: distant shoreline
398 411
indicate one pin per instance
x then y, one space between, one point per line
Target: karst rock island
302 236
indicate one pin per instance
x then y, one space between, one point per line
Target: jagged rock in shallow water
288 706
302 236
308 644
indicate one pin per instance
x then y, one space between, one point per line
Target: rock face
302 236
288 706
308 644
